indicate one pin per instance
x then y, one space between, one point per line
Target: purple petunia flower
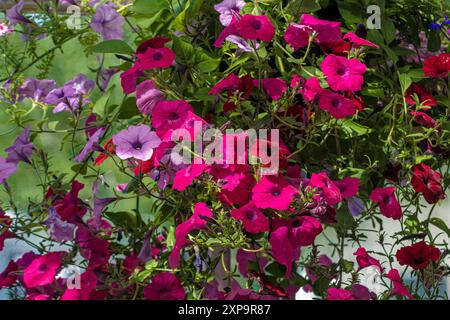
80 85
22 148
6 169
228 9
59 230
99 205
356 206
108 22
136 142
147 96
36 89
14 15
91 145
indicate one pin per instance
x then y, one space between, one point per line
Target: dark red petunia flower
425 98
437 66
418 256
392 171
109 146
428 182
71 208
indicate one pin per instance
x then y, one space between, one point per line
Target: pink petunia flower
253 219
327 31
274 87
282 250
147 96
348 186
164 286
170 115
399 288
359 42
330 191
195 222
339 294
311 89
42 270
155 58
136 142
342 73
297 35
364 260
88 282
185 177
303 230
388 203
337 105
256 27
273 192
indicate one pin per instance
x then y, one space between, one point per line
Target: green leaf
388 29
102 102
347 266
128 109
405 82
149 7
124 219
352 129
113 46
440 224
344 219
184 51
434 40
206 63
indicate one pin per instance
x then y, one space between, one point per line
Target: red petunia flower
418 256
253 27
428 182
423 119
437 66
164 286
399 288
388 203
364 260
425 98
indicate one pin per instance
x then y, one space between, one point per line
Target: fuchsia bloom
136 142
164 286
359 42
399 288
428 182
274 87
87 286
388 203
155 58
253 219
147 96
282 250
170 115
297 35
185 177
337 105
303 230
416 91
365 260
70 208
339 294
311 89
42 270
273 192
347 186
256 27
342 73
424 119
327 31
195 222
330 191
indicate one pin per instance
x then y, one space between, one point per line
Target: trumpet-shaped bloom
273 192
342 73
428 182
136 142
388 203
256 27
337 105
253 219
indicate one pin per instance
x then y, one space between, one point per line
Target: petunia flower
164 286
399 288
428 182
327 31
337 105
170 115
59 230
91 145
364 260
147 96
274 87
253 27
185 177
8 276
253 219
108 22
273 192
348 186
339 294
342 73
311 89
437 66
42 270
21 149
6 169
243 258
228 9
14 14
418 256
297 35
88 282
330 191
136 142
36 89
195 222
425 98
154 58
424 119
303 230
71 208
356 206
388 203
282 250
359 42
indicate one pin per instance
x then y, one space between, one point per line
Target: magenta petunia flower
164 286
364 260
297 35
274 87
273 192
388 203
170 115
88 282
228 9
108 22
348 186
42 270
339 294
147 96
399 288
304 230
330 191
337 105
195 222
256 27
155 58
185 177
311 89
342 73
282 250
229 83
71 208
359 42
129 78
6 169
327 31
136 142
253 219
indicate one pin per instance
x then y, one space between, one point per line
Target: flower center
173 116
275 191
43 268
336 103
256 24
250 215
157 56
137 145
341 71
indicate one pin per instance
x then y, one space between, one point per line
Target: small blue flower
434 25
